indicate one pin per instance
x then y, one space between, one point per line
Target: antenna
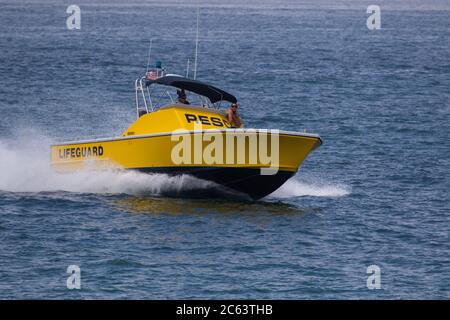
149 52
196 47
187 69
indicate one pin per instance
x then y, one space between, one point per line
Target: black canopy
213 93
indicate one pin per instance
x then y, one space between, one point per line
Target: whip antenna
149 52
187 69
196 48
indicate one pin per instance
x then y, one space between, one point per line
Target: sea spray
25 167
310 187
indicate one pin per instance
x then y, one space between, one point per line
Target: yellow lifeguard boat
195 139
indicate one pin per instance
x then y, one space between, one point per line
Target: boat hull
156 153
248 181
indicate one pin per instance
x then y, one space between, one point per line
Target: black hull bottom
244 180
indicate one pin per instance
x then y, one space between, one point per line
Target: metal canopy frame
209 95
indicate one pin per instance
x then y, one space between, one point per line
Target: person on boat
233 116
182 97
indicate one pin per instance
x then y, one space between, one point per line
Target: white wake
310 187
25 167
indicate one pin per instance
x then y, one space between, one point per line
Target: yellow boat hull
154 152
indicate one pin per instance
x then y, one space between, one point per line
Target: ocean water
375 193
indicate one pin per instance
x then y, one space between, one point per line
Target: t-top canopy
214 94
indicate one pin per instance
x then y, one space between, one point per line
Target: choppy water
376 192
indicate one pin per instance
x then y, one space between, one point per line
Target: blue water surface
375 193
